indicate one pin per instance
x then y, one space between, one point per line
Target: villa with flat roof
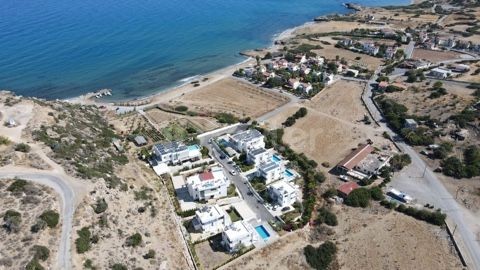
208 185
247 140
176 152
258 156
271 171
239 234
211 219
283 193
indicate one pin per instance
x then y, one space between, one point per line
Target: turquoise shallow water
64 48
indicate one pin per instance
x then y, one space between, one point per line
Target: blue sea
64 48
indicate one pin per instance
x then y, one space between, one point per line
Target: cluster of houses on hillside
267 165
434 41
304 75
369 47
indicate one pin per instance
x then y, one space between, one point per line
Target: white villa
176 152
258 156
208 185
271 171
211 219
248 139
283 193
239 234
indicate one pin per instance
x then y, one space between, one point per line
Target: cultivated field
231 96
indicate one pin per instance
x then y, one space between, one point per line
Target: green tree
320 258
399 161
359 197
134 240
50 217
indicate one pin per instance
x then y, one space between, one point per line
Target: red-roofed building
349 162
346 188
208 185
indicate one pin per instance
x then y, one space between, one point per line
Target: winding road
68 208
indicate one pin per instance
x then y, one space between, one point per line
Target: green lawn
175 132
234 216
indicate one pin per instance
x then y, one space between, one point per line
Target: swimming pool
193 147
288 173
276 158
262 232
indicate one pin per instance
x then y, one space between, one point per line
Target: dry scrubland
231 96
18 245
202 123
416 99
372 238
135 209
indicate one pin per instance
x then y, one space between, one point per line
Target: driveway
68 207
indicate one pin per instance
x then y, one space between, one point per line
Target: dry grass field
376 238
418 102
16 248
372 238
332 126
435 56
231 96
162 118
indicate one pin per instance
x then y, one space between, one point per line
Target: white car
343 177
233 172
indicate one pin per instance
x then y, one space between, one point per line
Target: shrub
359 197
226 118
376 193
34 265
83 241
17 186
12 220
22 147
134 240
4 140
40 252
432 217
327 217
150 254
101 206
50 217
181 108
320 258
399 161
38 226
118 266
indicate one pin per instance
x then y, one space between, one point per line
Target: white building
211 219
176 152
370 48
283 193
411 124
305 87
352 71
248 139
294 83
439 73
239 234
208 185
258 156
271 171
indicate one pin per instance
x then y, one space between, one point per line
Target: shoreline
185 85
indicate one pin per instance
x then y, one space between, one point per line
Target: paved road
432 185
409 49
238 180
68 198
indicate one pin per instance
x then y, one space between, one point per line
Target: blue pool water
193 147
276 158
288 173
64 48
262 232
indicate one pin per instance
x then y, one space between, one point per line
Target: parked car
343 177
233 172
222 156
